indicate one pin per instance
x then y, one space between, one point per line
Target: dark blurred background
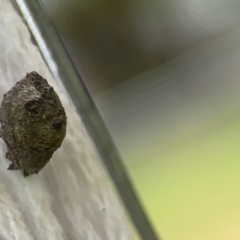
165 77
113 41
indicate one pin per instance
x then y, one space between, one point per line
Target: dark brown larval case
33 123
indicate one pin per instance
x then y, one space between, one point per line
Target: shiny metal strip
68 78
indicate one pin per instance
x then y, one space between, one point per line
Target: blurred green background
180 140
191 187
165 77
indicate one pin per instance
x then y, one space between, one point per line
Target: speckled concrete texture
70 198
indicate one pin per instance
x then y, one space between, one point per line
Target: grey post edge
70 81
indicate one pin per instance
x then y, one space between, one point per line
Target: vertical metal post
66 75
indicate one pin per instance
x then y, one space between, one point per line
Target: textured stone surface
33 123
70 198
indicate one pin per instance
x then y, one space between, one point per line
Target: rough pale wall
70 198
